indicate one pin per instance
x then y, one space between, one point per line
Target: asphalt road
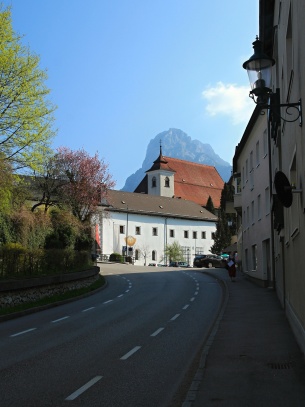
132 344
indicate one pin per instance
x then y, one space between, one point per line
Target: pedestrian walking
231 266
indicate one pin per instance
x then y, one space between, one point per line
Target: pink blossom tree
88 181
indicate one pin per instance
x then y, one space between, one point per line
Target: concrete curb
208 341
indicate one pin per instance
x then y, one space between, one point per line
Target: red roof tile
193 181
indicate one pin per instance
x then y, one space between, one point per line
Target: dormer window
167 182
153 182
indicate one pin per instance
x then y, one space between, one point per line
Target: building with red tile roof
182 179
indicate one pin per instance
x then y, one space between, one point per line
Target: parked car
209 260
178 264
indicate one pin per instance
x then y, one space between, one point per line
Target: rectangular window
155 231
138 230
257 154
247 170
122 230
246 260
186 234
251 171
238 185
213 235
203 235
252 212
254 257
265 139
171 233
267 201
194 235
259 215
248 217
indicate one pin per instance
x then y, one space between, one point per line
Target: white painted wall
113 241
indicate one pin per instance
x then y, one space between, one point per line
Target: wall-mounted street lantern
259 68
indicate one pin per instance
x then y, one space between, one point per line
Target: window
186 234
294 210
171 233
257 153
154 182
213 235
154 255
252 212
194 235
265 139
155 231
136 254
138 230
243 177
254 257
248 217
246 260
167 182
251 171
122 230
203 235
247 170
259 208
238 185
267 201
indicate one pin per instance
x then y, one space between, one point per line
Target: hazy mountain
177 144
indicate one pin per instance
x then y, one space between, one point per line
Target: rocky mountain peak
177 144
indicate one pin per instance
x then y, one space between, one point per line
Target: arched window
153 255
167 182
154 182
136 254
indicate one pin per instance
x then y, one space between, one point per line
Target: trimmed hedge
15 261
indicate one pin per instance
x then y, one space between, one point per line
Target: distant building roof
194 182
130 202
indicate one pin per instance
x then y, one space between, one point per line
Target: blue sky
122 71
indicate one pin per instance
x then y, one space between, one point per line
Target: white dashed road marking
186 306
175 317
88 309
85 387
157 332
23 332
60 319
131 352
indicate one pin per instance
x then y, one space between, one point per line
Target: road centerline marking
186 306
23 332
157 332
85 387
175 317
130 353
106 302
60 319
88 309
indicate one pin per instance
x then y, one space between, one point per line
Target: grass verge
55 298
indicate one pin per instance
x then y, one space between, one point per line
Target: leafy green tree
173 252
224 232
30 229
26 116
210 205
65 230
222 237
6 187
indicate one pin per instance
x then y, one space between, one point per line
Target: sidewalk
253 359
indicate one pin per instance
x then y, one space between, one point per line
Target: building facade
141 226
282 32
252 200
